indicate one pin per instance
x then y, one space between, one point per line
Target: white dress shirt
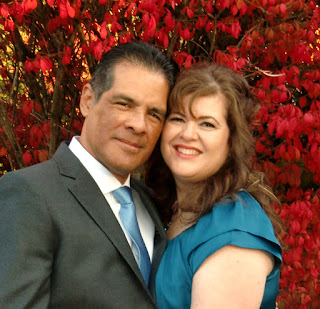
108 183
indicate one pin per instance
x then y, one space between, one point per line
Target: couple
68 235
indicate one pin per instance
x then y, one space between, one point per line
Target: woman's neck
180 221
182 189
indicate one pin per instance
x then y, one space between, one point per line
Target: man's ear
86 100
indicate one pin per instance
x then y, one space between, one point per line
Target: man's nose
137 122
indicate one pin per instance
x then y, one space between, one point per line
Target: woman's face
196 146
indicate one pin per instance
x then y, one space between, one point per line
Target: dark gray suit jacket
61 245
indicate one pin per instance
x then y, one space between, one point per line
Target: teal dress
242 223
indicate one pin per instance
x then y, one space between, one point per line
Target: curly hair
237 172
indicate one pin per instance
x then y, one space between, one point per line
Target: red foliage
48 49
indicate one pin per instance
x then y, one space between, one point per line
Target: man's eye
155 115
124 104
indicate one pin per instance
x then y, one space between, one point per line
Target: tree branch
8 131
56 110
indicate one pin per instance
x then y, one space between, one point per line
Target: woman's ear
86 100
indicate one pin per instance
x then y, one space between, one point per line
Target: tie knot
123 195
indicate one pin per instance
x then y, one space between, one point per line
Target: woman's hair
237 172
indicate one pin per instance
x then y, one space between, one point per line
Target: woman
222 250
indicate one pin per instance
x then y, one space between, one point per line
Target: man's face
122 128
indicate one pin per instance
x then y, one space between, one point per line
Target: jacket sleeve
26 244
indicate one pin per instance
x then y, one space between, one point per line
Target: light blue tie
130 223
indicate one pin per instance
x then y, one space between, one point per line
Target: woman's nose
189 131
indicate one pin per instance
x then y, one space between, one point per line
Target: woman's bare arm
232 277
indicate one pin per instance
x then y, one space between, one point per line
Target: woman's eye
208 125
175 119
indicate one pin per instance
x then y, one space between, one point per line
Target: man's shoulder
37 170
27 171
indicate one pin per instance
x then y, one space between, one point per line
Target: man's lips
130 143
187 150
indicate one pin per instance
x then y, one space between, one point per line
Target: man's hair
138 53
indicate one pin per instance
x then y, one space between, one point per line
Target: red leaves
209 7
27 157
201 22
234 10
280 94
184 59
300 262
223 4
313 88
103 32
42 155
4 10
190 13
283 8
45 64
163 37
27 107
229 60
311 36
294 228
34 65
65 9
28 65
150 24
185 33
230 26
289 153
38 156
3 152
50 2
97 51
169 21
66 58
263 40
53 24
131 10
149 6
269 34
29 5
9 25
36 135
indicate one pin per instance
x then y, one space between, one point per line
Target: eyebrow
178 113
125 98
200 118
209 117
161 112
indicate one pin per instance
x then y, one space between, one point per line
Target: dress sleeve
242 223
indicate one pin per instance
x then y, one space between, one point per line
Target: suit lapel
89 196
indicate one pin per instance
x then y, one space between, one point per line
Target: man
63 242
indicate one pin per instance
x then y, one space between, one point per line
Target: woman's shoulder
238 220
240 211
239 216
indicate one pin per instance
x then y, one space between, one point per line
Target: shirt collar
102 176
